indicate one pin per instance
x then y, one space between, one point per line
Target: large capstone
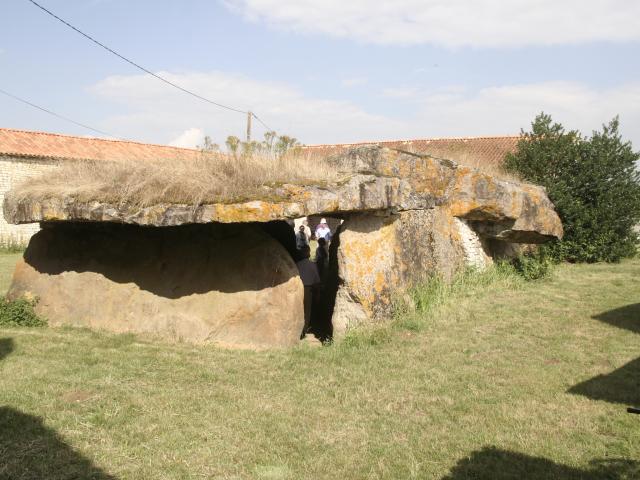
232 285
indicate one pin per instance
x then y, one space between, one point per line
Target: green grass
7 262
502 379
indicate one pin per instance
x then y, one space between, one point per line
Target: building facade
24 154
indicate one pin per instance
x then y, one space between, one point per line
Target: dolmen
225 273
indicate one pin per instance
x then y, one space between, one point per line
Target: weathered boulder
379 257
232 285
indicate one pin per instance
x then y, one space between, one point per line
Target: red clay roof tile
23 143
479 150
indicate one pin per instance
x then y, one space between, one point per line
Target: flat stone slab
376 179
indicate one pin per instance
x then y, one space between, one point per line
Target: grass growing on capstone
502 379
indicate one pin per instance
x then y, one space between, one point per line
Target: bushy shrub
533 266
19 313
594 184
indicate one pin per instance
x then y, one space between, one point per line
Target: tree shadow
492 463
627 317
7 346
620 386
29 450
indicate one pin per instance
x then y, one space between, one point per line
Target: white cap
324 220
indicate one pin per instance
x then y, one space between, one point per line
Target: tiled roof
478 150
22 143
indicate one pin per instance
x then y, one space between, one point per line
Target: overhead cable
15 97
138 66
269 129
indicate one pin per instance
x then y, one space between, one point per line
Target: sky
326 71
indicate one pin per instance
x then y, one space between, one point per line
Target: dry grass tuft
208 179
495 170
462 156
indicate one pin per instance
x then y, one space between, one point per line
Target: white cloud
190 138
401 92
453 23
160 114
353 82
505 109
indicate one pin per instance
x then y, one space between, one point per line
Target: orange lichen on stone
368 260
246 212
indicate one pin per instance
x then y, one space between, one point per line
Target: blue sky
324 72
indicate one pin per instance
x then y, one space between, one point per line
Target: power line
140 67
15 97
269 129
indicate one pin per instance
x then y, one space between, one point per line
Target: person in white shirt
323 230
310 280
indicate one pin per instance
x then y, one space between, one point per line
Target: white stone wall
13 170
475 254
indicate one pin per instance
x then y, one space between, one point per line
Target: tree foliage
208 146
593 182
273 145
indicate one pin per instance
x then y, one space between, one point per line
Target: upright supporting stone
232 285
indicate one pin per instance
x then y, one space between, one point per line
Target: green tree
208 145
250 148
593 182
284 144
233 144
268 142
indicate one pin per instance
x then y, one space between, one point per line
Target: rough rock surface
376 179
231 285
380 256
406 217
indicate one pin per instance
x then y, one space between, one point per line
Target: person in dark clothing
322 258
302 240
311 281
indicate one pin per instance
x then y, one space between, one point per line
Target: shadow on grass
492 463
30 450
627 317
620 386
6 347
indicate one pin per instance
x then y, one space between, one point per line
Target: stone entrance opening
321 321
327 265
321 235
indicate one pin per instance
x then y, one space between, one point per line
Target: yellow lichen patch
256 211
369 260
425 174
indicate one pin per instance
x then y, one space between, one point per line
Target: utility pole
249 115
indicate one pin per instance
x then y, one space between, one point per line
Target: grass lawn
505 381
7 262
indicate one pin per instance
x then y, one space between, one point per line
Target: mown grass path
500 383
